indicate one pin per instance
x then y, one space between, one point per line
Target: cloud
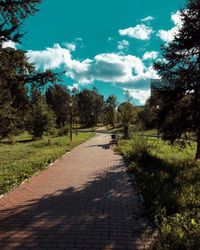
150 55
73 86
147 19
9 44
140 95
176 18
50 58
124 44
140 31
70 46
127 71
168 35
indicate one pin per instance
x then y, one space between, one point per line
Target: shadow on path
99 215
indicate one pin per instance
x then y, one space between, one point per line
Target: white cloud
126 71
121 45
176 18
111 67
108 67
148 18
73 86
168 35
150 55
50 58
140 95
70 46
9 44
150 73
140 31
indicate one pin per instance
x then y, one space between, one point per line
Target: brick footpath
83 201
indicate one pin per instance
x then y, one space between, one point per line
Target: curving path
83 201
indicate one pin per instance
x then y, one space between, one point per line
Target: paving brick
83 201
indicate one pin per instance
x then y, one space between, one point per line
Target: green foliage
180 72
149 116
12 17
90 105
169 179
58 99
41 119
110 110
180 231
64 130
127 115
16 73
28 156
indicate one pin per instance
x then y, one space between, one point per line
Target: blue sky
110 44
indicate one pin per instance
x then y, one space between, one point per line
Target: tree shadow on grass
97 216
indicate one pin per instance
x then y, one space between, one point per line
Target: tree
90 105
16 74
150 115
58 98
41 117
128 115
110 110
180 72
12 16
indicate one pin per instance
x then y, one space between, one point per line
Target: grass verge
169 179
25 157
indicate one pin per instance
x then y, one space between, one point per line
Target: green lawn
24 157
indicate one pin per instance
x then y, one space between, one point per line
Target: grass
169 179
25 157
117 129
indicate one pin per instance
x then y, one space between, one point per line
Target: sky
109 44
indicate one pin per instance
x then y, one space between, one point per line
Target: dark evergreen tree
58 98
180 72
90 104
12 15
41 118
16 74
149 117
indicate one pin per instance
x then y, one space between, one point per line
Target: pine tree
12 15
181 73
90 105
58 98
16 74
41 118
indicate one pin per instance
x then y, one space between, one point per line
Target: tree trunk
197 156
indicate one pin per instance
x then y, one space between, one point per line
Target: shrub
64 130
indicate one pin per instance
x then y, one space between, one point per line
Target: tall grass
169 179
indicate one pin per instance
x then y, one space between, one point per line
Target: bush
64 130
180 231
